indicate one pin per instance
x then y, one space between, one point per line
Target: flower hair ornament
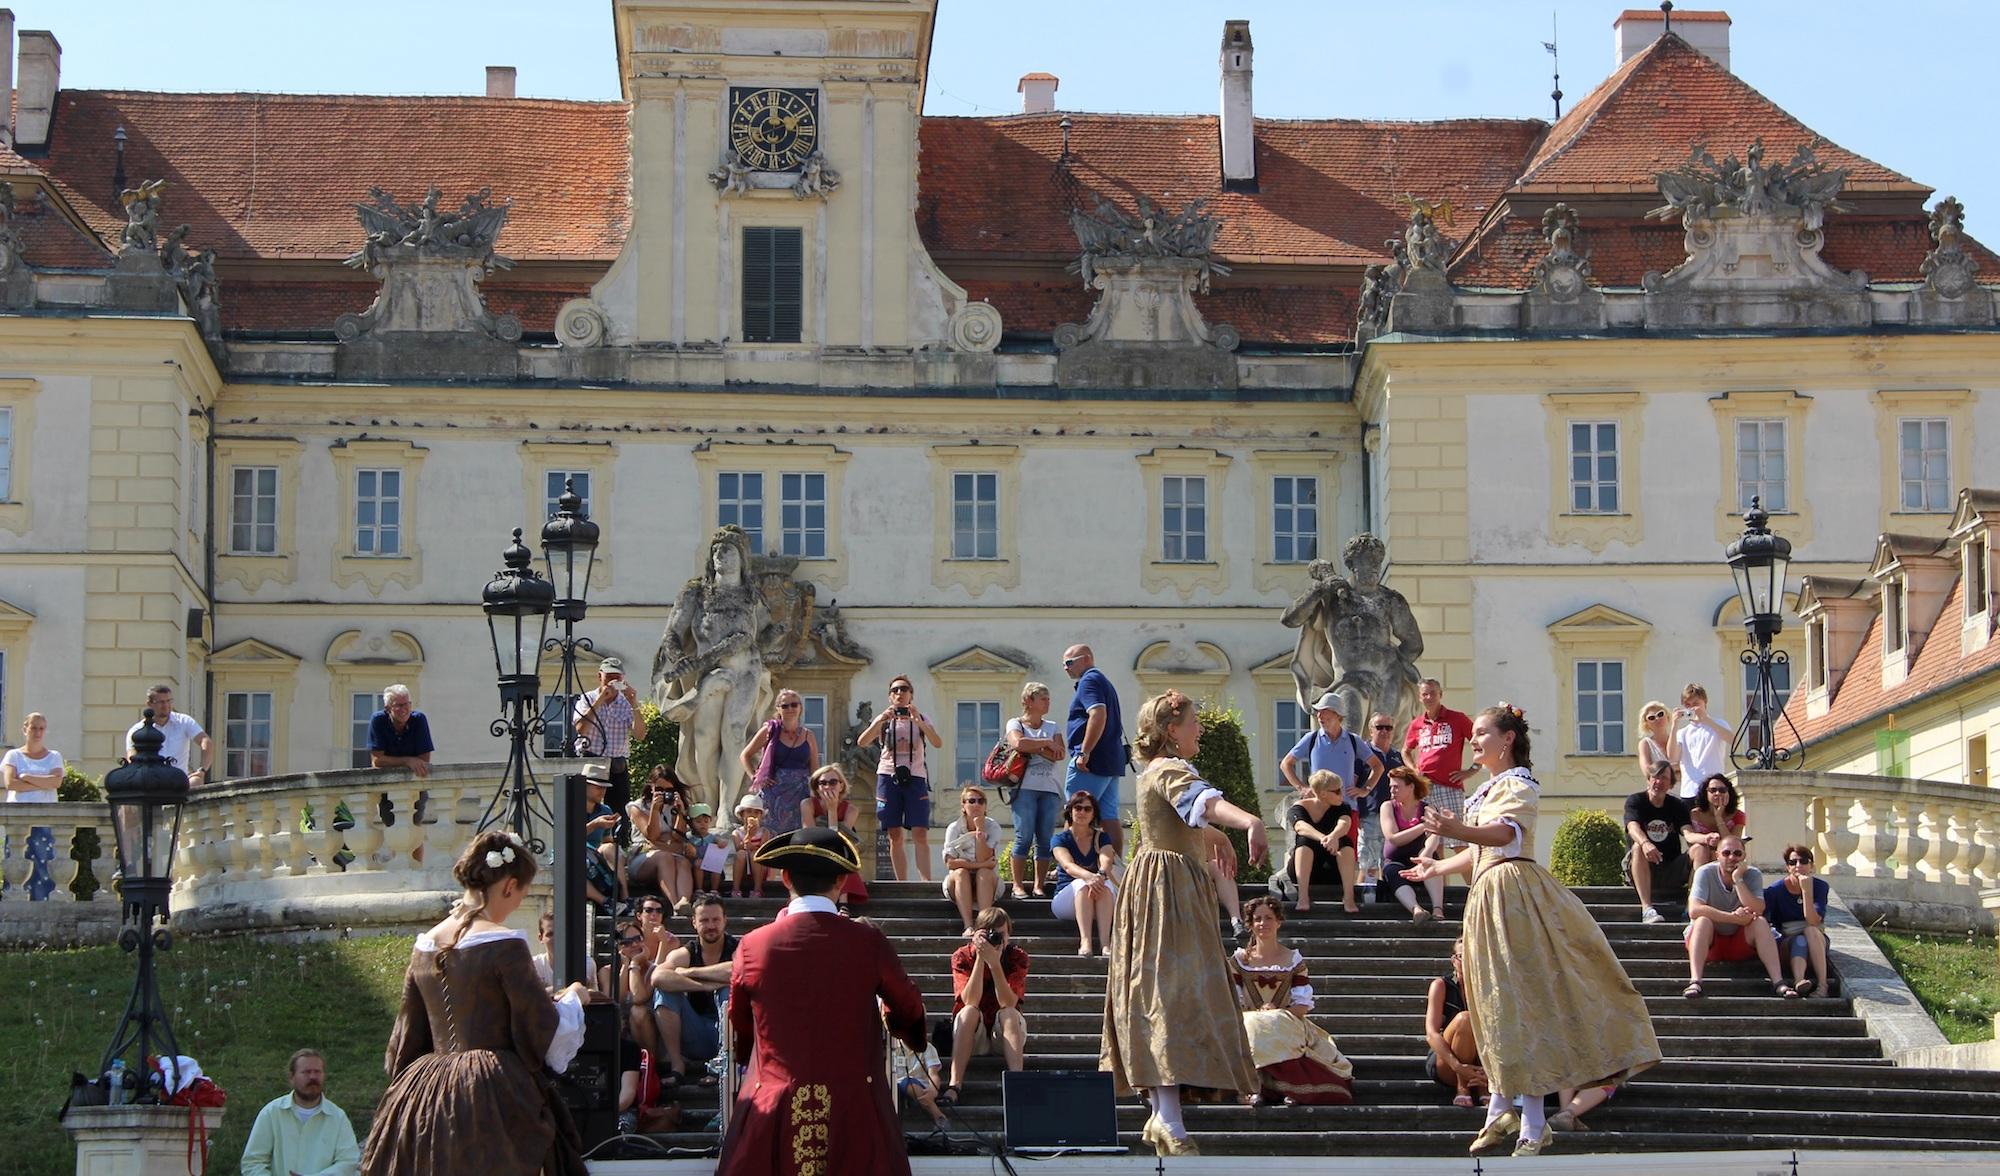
1511 709
496 858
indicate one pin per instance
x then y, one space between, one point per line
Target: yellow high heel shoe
1165 1142
1495 1133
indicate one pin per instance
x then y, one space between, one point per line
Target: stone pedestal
136 1140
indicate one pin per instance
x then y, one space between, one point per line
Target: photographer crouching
664 858
990 981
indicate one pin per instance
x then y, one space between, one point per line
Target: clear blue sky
1897 83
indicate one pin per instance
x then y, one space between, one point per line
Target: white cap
1331 701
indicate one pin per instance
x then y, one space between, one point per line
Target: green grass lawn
1957 977
238 1005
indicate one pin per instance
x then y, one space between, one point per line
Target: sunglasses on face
652 910
1718 792
1070 661
1385 726
1730 852
975 800
1656 716
1798 861
788 706
631 940
899 689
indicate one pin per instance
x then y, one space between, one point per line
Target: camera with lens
902 712
992 937
901 775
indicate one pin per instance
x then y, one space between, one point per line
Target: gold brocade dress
1170 1013
1551 1006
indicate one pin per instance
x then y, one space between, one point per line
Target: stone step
1387 977
1078 1045
1045 1023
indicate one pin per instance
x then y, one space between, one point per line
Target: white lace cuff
569 1032
1194 805
1302 994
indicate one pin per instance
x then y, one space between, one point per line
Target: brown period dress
466 1086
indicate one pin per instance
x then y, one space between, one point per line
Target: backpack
1003 769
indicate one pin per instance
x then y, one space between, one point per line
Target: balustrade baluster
444 837
1960 851
1985 866
321 844
1833 818
104 863
1927 848
403 837
63 868
1907 839
1878 841
365 836
235 850
16 869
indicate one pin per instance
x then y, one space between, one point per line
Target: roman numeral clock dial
771 129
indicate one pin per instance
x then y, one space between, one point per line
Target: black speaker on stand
590 1087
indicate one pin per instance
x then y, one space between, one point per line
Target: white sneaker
1651 915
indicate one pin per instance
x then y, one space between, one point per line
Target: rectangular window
553 482
253 510
978 730
378 512
1892 616
1600 707
1184 519
802 515
6 455
1781 682
1977 562
1294 519
1289 724
1925 465
773 284
739 499
1593 467
975 516
813 718
246 734
361 709
1760 465
1975 761
1816 653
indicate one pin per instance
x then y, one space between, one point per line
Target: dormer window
1893 608
1978 555
1816 669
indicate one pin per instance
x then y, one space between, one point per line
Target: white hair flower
495 858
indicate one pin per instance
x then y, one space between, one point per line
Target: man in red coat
805 1005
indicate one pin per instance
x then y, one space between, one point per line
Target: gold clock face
772 129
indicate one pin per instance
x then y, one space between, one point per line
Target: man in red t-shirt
989 979
1435 744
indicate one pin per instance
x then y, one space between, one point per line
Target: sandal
1806 988
948 1097
1693 991
1463 1100
1018 894
1780 988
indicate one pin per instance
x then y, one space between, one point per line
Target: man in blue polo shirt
1096 739
399 736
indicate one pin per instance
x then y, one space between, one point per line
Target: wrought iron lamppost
569 552
517 604
145 794
1758 560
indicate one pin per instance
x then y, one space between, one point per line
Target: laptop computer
1060 1111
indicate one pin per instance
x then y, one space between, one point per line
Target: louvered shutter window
773 284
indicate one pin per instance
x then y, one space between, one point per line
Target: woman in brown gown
467 1092
1170 1014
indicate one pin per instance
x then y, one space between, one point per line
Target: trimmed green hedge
1588 846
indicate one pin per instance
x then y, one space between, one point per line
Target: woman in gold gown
1170 1014
1551 1006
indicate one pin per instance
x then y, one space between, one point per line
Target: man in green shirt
302 1133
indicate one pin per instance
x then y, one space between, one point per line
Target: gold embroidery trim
812 1106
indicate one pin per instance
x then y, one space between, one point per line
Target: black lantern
569 551
1759 561
145 794
517 604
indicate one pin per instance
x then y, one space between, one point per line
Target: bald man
1096 739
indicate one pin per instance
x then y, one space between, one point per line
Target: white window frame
7 453
976 735
240 744
375 538
1294 525
1932 480
1978 575
553 482
1895 619
1183 539
1601 495
813 713
1765 450
239 501
800 493
358 722
1607 702
742 508
975 514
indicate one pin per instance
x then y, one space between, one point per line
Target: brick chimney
7 71
1038 92
1239 126
35 98
499 81
1707 31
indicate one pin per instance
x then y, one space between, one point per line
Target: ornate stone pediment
429 313
1753 234
814 180
1562 295
1144 330
977 659
250 653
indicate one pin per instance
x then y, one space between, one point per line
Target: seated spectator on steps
1713 813
1454 1057
750 837
685 1011
1403 841
1655 864
1726 919
627 979
971 857
1801 925
662 858
1085 889
600 874
1322 825
989 983
918 1077
302 1131
827 807
544 960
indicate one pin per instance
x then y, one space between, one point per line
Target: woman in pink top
902 784
1714 814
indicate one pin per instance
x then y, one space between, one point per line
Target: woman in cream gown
1551 1006
1170 1017
1297 1060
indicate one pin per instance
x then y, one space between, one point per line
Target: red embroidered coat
803 1006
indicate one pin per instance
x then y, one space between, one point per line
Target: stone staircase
1744 1069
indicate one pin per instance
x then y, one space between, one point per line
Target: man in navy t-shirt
1096 739
399 736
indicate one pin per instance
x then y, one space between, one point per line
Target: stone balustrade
64 822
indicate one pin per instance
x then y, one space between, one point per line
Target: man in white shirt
302 1133
183 736
1700 745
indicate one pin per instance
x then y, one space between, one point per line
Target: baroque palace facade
996 384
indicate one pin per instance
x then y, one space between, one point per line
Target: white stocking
1534 1123
1167 1108
1497 1105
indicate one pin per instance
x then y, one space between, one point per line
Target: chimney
7 73
1239 127
1038 92
1707 31
499 81
35 101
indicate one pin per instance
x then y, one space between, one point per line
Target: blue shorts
701 1037
906 1087
1035 823
1103 788
902 806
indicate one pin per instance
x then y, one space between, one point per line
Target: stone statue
1357 637
142 216
431 262
709 674
815 178
173 254
1948 269
732 176
1701 187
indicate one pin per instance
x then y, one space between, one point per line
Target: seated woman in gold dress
1297 1060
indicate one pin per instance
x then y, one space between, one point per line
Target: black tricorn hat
811 850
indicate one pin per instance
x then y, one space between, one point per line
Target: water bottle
116 1080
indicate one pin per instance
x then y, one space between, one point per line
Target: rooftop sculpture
427 229
1701 187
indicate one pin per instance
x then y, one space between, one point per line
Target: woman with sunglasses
1656 737
1085 889
1715 814
827 808
629 980
1801 924
902 785
971 857
781 758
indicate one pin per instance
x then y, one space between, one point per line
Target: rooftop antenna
1555 64
1667 10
